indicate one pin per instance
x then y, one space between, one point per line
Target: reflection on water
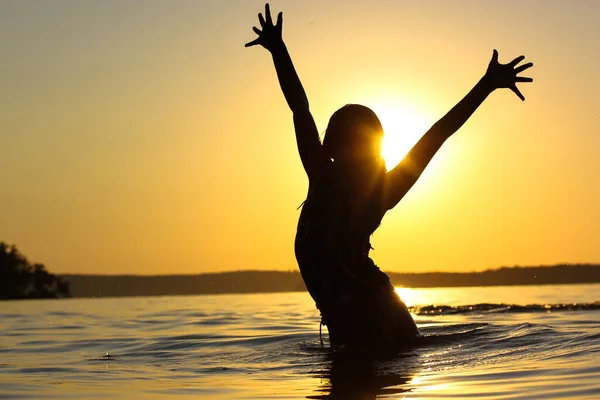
267 346
361 378
412 297
521 295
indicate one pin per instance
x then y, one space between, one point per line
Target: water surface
496 343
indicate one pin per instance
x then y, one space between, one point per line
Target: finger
516 61
252 43
523 79
495 56
256 30
261 20
279 19
523 67
517 92
268 14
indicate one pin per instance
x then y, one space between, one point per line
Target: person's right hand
270 36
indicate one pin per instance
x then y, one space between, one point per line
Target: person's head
354 135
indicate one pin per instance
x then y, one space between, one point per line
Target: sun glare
408 296
403 127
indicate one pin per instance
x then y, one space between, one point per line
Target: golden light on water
430 296
408 295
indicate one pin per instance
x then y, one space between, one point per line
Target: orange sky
142 137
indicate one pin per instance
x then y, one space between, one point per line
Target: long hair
354 132
350 129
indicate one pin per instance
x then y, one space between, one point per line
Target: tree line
20 279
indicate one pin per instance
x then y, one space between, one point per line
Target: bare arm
400 179
307 135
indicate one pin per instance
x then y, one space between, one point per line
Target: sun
403 127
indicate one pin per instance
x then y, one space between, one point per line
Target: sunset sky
142 137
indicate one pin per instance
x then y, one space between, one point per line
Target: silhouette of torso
335 224
357 301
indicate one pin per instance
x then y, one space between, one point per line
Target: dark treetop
19 279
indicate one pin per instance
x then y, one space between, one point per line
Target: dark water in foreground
267 346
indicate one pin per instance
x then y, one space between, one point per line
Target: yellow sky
142 137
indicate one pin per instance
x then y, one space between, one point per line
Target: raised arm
400 179
307 135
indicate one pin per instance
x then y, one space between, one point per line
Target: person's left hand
505 75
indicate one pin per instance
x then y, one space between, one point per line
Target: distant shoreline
291 281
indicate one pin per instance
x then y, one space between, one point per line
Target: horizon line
296 270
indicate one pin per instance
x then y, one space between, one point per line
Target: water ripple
268 346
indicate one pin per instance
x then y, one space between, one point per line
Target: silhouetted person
350 192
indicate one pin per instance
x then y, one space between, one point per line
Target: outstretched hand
270 35
505 75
